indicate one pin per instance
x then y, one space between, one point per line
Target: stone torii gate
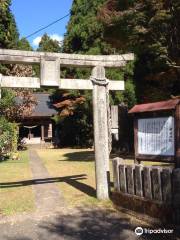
50 76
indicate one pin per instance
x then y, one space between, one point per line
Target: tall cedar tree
9 35
151 30
48 45
85 36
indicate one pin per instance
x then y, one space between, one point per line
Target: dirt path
85 223
48 198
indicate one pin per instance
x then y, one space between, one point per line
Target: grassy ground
14 197
76 167
77 170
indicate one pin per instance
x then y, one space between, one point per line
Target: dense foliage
151 30
85 36
8 137
8 31
12 111
48 45
16 105
84 32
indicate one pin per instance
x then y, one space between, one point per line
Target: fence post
147 182
122 178
115 163
156 184
138 180
130 179
166 185
176 194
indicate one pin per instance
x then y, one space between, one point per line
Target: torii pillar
100 109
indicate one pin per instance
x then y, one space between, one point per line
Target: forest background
150 29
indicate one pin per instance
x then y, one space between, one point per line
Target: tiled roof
44 107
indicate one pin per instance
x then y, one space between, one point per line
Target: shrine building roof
44 107
156 106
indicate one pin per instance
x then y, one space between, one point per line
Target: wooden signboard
156 136
157 131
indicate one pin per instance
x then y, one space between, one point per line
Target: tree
10 110
85 35
16 105
8 31
74 120
23 44
48 45
151 30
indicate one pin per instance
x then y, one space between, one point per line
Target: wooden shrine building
39 127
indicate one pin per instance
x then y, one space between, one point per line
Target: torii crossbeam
50 76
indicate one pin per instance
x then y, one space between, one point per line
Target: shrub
8 137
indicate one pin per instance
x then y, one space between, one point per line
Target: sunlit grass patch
76 167
14 196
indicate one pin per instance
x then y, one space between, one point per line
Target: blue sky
31 15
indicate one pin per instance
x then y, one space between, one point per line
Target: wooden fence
150 190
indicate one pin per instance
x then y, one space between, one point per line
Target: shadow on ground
84 156
85 223
88 156
73 180
89 224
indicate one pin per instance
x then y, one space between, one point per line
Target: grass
76 170
73 168
15 199
76 167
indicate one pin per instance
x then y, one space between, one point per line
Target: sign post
157 131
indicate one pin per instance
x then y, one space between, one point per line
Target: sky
30 15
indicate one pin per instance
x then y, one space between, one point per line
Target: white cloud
36 41
57 37
54 36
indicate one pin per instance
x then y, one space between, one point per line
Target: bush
8 137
